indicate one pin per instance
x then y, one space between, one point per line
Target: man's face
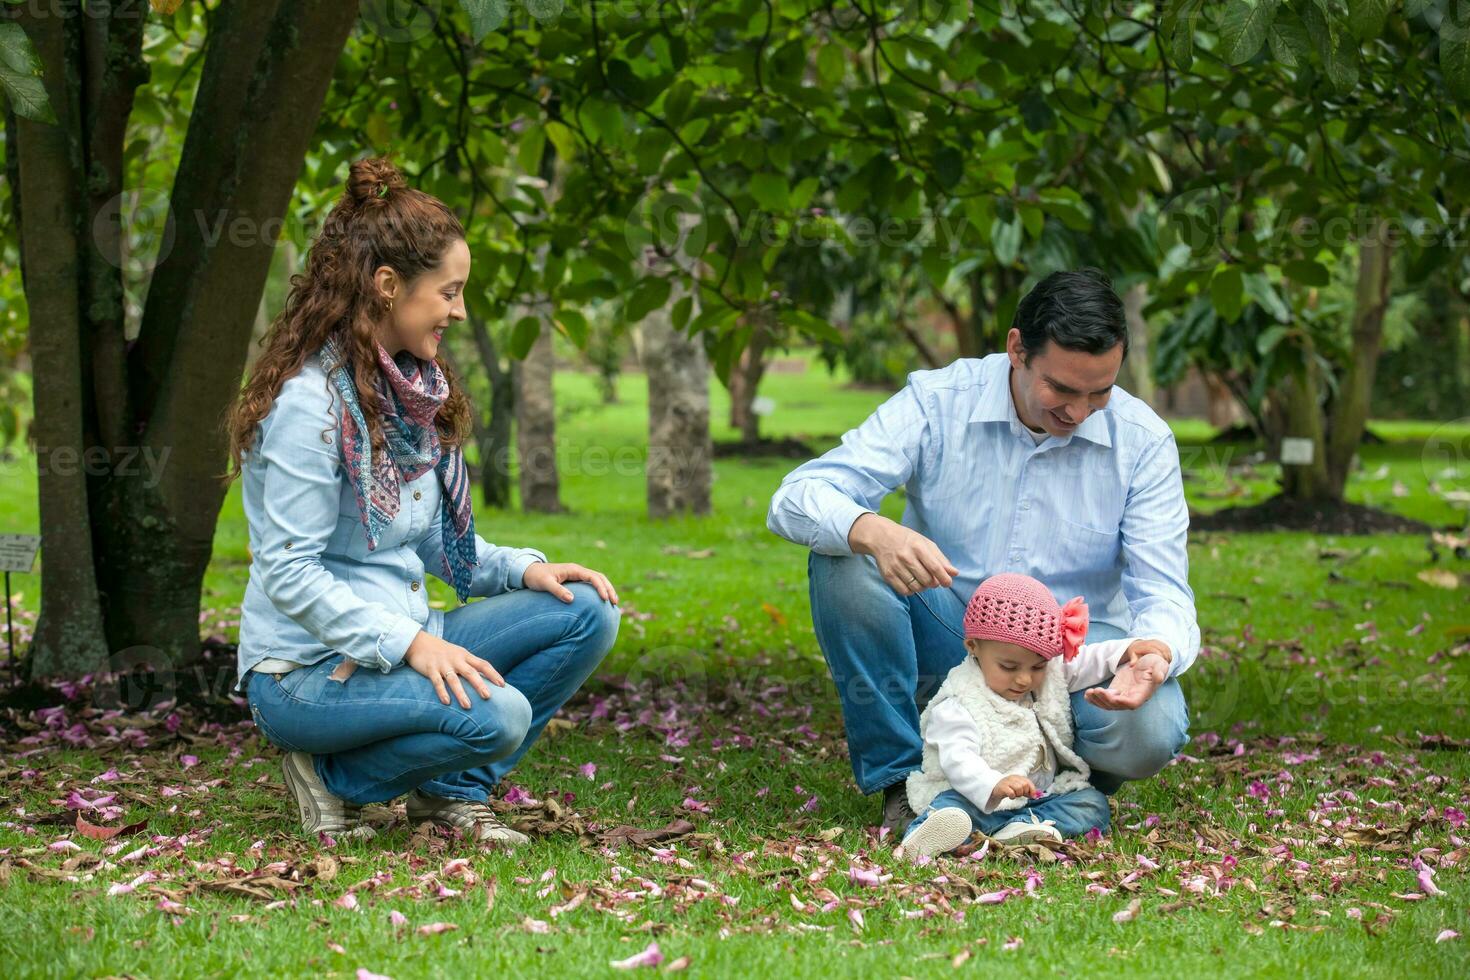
1060 388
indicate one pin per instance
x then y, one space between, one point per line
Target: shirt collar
994 403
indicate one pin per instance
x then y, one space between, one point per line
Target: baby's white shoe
941 832
1027 831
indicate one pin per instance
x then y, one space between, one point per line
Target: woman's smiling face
423 309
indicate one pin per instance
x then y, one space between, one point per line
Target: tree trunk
745 379
536 425
130 452
1354 395
494 433
1301 418
1135 377
680 453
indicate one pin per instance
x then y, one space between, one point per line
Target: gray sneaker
475 819
897 814
321 812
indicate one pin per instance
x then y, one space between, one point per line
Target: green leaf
1067 206
529 153
651 293
1454 57
832 62
679 316
1243 28
1177 25
485 16
771 192
522 336
563 139
1306 272
1367 17
20 75
949 167
574 325
1005 238
1227 292
813 326
1269 338
1290 44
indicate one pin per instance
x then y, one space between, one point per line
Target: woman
348 443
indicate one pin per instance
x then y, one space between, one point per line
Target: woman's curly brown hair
378 221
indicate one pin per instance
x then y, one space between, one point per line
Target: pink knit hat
1018 609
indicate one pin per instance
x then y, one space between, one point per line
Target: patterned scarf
410 392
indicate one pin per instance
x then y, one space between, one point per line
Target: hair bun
373 179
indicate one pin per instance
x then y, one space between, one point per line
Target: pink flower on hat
1013 608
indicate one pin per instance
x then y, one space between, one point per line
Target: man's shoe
897 814
475 819
321 812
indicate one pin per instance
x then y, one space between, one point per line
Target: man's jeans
1073 814
376 736
889 653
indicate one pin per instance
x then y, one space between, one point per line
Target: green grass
1334 643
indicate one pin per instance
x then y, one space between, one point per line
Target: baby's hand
1011 787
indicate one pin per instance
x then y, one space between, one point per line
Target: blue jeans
889 653
377 736
1073 814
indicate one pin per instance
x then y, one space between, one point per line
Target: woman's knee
597 618
496 727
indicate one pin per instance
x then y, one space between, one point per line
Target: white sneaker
1027 832
475 819
941 832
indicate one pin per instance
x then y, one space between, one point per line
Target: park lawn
1335 644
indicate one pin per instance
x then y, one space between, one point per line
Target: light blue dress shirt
315 588
1099 513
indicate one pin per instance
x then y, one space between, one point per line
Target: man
1028 461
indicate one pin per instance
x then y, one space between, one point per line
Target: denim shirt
1099 512
315 587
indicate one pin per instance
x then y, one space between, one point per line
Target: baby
998 733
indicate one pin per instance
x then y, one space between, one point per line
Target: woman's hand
444 663
1012 787
549 576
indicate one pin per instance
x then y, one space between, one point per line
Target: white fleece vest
1010 734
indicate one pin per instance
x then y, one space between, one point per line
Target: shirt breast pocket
1086 549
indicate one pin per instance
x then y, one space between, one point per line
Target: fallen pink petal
650 957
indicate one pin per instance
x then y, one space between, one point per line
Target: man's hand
1010 788
549 576
908 561
1133 684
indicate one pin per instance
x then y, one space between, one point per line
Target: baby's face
1011 671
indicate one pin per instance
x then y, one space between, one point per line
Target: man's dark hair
1077 310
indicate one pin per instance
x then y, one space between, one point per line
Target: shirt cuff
983 786
832 531
394 643
517 576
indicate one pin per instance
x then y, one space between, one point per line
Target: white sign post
17 554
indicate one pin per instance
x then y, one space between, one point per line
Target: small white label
761 405
1296 451
18 551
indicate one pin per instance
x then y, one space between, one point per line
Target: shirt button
1025 505
288 545
414 586
418 495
